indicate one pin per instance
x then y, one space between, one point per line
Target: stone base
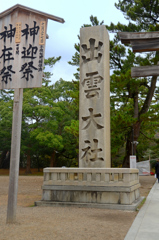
131 207
99 188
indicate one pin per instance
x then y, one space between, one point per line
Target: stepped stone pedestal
111 188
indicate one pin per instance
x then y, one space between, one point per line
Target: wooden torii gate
142 42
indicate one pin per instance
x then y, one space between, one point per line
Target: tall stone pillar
94 129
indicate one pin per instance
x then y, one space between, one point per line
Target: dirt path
47 223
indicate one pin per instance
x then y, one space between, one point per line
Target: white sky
62 37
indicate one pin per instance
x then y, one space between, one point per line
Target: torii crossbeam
142 42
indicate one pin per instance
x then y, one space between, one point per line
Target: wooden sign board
22 49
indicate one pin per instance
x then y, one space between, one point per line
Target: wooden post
15 155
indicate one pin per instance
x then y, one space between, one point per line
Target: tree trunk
130 147
28 165
38 163
52 160
5 160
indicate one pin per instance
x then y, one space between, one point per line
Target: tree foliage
133 99
46 119
50 116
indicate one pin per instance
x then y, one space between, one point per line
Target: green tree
133 98
46 113
132 105
6 109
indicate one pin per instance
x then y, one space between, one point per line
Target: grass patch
32 205
141 204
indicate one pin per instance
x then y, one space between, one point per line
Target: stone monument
94 183
94 128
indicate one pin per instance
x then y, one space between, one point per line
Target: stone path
145 225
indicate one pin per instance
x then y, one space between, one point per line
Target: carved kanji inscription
91 151
91 119
92 84
91 52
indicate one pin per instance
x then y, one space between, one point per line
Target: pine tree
134 97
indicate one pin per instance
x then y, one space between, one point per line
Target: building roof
27 9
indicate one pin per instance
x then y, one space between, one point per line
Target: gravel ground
61 223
